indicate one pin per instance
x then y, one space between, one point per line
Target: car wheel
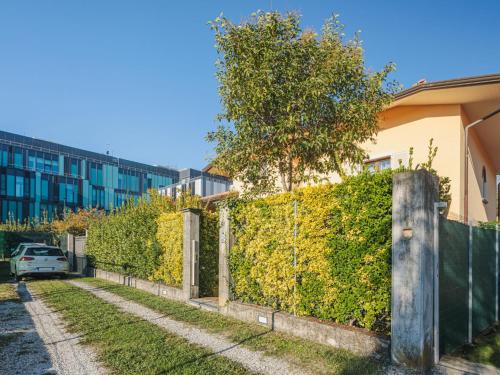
19 277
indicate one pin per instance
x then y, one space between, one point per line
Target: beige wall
404 127
479 211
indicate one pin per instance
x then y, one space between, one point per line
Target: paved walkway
253 360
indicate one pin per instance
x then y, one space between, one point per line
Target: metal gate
468 282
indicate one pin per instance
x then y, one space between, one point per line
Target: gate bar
437 206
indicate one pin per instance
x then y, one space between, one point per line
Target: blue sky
137 77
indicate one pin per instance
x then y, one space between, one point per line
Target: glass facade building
198 183
40 178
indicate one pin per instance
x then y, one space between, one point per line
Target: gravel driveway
33 341
253 360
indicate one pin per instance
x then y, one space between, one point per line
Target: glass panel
32 162
11 189
74 168
19 186
45 189
18 158
39 163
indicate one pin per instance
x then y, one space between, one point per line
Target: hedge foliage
342 248
170 237
209 253
125 241
145 239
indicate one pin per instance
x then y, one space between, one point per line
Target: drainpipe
466 172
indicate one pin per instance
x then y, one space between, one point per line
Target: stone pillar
413 198
191 253
225 244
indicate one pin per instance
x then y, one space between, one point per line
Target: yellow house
442 110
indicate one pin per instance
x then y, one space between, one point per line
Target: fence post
191 241
225 244
413 265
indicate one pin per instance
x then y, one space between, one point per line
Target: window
19 186
45 188
379 164
18 158
11 185
484 186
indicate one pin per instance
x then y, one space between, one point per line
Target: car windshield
44 251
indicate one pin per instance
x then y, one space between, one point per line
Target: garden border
356 340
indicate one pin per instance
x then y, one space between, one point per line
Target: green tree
295 104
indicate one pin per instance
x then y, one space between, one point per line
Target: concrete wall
354 339
147 286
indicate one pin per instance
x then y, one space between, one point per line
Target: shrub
125 241
209 253
342 251
170 238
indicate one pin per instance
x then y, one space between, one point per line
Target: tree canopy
296 104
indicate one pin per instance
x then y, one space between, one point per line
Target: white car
37 259
15 254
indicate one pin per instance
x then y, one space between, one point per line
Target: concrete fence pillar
226 240
413 198
191 253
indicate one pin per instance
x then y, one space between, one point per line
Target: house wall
414 126
403 127
478 211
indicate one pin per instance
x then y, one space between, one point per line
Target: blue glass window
31 161
32 188
45 189
39 163
11 188
55 164
19 186
74 168
18 158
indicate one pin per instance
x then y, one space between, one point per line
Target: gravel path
253 360
43 345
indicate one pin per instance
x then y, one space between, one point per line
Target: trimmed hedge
145 239
343 252
209 253
170 238
125 241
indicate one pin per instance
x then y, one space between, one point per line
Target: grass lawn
5 272
7 290
486 349
315 357
125 343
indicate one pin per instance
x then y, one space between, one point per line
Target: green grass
318 358
486 349
5 272
7 290
125 343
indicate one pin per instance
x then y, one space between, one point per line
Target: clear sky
137 77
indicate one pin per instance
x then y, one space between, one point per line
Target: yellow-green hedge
343 251
170 238
209 253
125 240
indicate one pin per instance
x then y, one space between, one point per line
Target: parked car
40 260
16 253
